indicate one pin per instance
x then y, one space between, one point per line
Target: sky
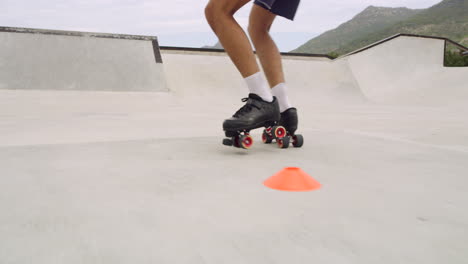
181 23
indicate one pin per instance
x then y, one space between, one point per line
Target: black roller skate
254 114
288 121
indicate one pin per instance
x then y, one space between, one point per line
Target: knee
210 13
214 12
258 32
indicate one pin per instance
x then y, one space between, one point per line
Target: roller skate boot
254 114
289 122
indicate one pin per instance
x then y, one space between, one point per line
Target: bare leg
259 26
219 14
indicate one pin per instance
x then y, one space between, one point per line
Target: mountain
372 19
447 19
216 46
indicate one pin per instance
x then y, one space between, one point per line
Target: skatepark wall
195 74
403 69
408 70
34 59
198 74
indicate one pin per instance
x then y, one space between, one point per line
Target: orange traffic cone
292 179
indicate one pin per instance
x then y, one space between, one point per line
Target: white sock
280 91
258 85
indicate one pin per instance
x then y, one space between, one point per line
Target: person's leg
259 26
260 22
219 14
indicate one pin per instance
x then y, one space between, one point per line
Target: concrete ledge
37 59
461 47
75 33
221 52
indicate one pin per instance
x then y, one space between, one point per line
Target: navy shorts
284 8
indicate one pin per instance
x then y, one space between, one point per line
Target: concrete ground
113 177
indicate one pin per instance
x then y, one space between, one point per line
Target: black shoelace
245 109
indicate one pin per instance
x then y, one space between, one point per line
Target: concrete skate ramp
408 70
33 59
314 79
403 69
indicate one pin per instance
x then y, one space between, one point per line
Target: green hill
370 20
447 19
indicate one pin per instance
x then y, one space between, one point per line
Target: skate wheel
246 141
283 142
279 132
267 139
228 142
298 141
